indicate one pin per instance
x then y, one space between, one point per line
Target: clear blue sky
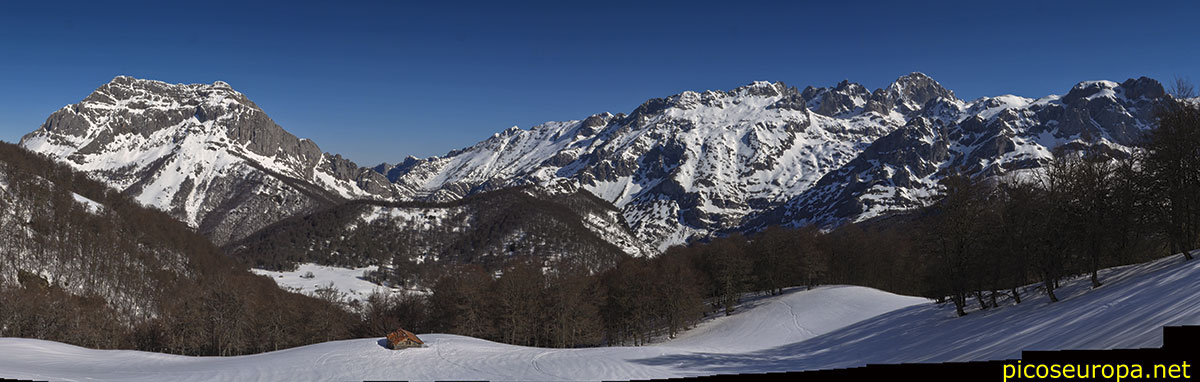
376 81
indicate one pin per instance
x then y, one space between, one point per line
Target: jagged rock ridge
990 136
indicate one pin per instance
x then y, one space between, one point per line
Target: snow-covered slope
796 331
794 317
204 153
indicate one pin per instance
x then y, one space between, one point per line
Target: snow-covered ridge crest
196 149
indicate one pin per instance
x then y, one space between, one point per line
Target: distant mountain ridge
989 136
698 164
679 168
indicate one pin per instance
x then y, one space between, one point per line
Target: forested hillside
414 241
83 264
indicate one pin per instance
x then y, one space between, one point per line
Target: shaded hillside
573 229
84 264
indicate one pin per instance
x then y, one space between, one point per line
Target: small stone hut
401 339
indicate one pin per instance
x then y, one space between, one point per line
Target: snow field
345 280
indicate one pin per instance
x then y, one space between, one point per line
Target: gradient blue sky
377 81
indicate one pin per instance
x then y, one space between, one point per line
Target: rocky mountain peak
597 120
761 88
919 88
1088 90
845 97
908 94
1143 87
1133 89
142 93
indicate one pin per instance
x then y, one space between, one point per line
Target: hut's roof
401 335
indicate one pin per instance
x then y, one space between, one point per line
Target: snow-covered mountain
204 153
695 164
688 165
678 168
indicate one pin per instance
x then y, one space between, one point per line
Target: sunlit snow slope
828 327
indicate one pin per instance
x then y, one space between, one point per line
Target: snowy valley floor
827 327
